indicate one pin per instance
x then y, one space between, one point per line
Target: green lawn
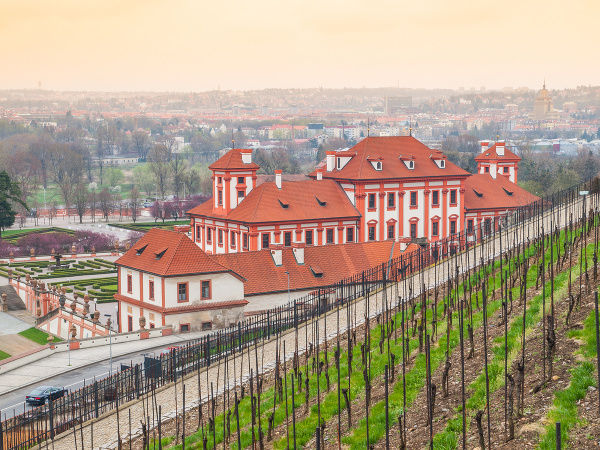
3 355
37 336
8 233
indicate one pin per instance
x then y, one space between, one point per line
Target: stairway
12 298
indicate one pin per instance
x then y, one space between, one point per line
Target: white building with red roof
165 279
497 160
383 188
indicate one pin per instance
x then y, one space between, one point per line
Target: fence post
96 398
51 410
558 436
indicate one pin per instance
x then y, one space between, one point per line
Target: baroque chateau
383 188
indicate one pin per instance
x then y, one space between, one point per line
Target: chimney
277 253
320 173
278 178
484 146
298 249
330 160
500 148
246 155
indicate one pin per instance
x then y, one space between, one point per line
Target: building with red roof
168 280
497 160
383 188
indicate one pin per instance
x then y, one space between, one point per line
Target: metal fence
37 425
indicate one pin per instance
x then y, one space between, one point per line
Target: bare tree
135 204
80 199
180 168
160 164
141 144
105 199
67 167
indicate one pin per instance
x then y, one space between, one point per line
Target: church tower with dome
543 108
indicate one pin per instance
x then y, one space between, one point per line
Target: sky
199 45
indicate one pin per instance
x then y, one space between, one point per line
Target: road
14 402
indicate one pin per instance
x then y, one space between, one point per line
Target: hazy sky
180 45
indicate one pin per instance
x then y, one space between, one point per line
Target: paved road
14 402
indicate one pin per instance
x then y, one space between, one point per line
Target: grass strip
37 336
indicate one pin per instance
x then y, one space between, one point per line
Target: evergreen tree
9 193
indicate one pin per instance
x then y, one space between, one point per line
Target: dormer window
140 250
321 203
410 165
442 164
378 165
283 205
160 254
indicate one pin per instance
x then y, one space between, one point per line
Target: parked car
168 350
43 394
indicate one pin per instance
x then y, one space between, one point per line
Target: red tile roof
334 261
181 256
232 160
260 179
485 193
490 154
306 200
391 149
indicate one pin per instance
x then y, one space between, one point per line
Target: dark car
44 394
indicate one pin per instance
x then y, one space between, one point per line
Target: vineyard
493 355
483 342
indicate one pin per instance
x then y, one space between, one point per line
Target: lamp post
288 275
109 344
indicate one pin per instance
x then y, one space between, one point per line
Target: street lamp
288 275
109 344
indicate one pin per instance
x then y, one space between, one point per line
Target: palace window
287 238
198 233
413 199
220 193
371 201
350 234
391 200
129 284
151 290
330 235
470 226
232 239
453 196
209 235
453 227
371 233
240 180
220 241
413 230
435 198
391 231
309 237
245 238
265 240
435 229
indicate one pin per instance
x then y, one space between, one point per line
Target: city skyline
188 46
